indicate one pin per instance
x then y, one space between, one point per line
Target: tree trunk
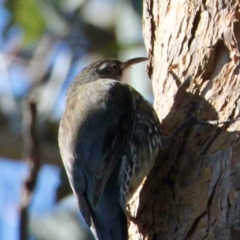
193 191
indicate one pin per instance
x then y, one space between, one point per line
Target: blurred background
43 45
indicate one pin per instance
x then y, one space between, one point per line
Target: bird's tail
110 225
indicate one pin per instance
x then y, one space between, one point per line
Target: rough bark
193 190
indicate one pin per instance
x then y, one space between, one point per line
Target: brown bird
109 138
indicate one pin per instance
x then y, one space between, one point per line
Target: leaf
27 15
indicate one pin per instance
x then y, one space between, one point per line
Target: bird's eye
115 67
108 69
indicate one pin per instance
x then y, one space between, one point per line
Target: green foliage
26 14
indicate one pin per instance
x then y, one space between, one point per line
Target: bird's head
109 68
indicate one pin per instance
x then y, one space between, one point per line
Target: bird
109 138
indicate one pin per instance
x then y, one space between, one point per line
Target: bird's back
91 140
109 138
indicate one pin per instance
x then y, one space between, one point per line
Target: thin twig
195 121
33 160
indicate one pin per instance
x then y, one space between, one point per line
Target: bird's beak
132 61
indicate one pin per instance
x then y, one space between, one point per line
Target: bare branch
33 160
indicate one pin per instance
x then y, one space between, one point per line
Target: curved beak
133 61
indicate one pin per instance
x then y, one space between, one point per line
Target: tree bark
193 191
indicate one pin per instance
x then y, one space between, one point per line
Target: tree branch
33 161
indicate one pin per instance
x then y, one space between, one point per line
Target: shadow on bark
192 191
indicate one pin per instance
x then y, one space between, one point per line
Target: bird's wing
114 142
104 137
